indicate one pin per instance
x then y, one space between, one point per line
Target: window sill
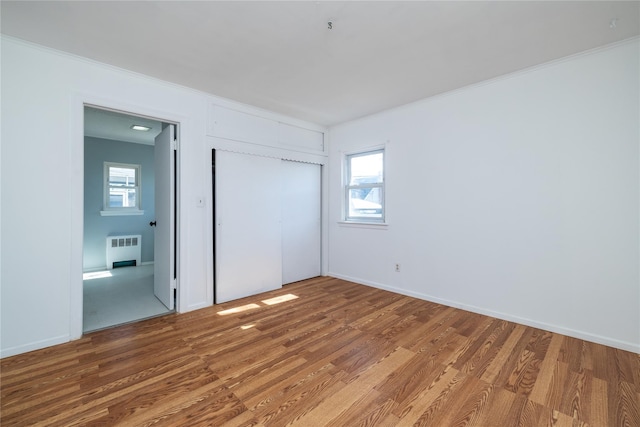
364 224
121 213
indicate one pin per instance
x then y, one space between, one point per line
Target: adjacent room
119 219
320 213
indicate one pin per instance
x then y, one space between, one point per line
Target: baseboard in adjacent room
104 267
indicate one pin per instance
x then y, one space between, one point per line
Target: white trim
598 339
324 220
346 187
76 158
274 140
106 189
242 147
364 149
217 101
364 224
199 305
121 212
36 345
78 100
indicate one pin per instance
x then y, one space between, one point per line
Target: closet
267 205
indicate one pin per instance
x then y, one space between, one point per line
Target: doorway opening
129 236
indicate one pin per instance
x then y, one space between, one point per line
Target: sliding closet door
301 197
249 236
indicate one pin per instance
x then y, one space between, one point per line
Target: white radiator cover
124 248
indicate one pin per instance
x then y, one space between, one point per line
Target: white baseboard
94 269
104 268
598 339
197 306
36 345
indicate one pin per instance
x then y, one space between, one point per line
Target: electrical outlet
397 268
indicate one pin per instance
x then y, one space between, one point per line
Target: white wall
517 198
43 92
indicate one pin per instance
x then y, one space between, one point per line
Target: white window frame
351 219
127 210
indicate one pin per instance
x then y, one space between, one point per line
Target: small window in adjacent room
364 189
121 189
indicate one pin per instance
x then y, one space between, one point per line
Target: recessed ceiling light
140 128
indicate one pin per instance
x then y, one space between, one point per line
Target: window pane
365 202
122 197
366 169
115 200
122 177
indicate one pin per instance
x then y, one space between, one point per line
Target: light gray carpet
118 296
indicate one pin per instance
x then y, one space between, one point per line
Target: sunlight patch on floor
96 275
246 307
238 309
278 300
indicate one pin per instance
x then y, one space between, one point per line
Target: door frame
78 102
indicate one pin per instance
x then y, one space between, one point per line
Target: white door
301 195
248 236
164 238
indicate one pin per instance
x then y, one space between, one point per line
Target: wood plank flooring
323 352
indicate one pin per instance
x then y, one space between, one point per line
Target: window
121 189
364 189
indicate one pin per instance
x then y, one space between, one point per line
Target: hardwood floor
327 352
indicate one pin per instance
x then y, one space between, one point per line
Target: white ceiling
107 124
281 56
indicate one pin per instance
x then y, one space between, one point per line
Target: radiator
123 249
